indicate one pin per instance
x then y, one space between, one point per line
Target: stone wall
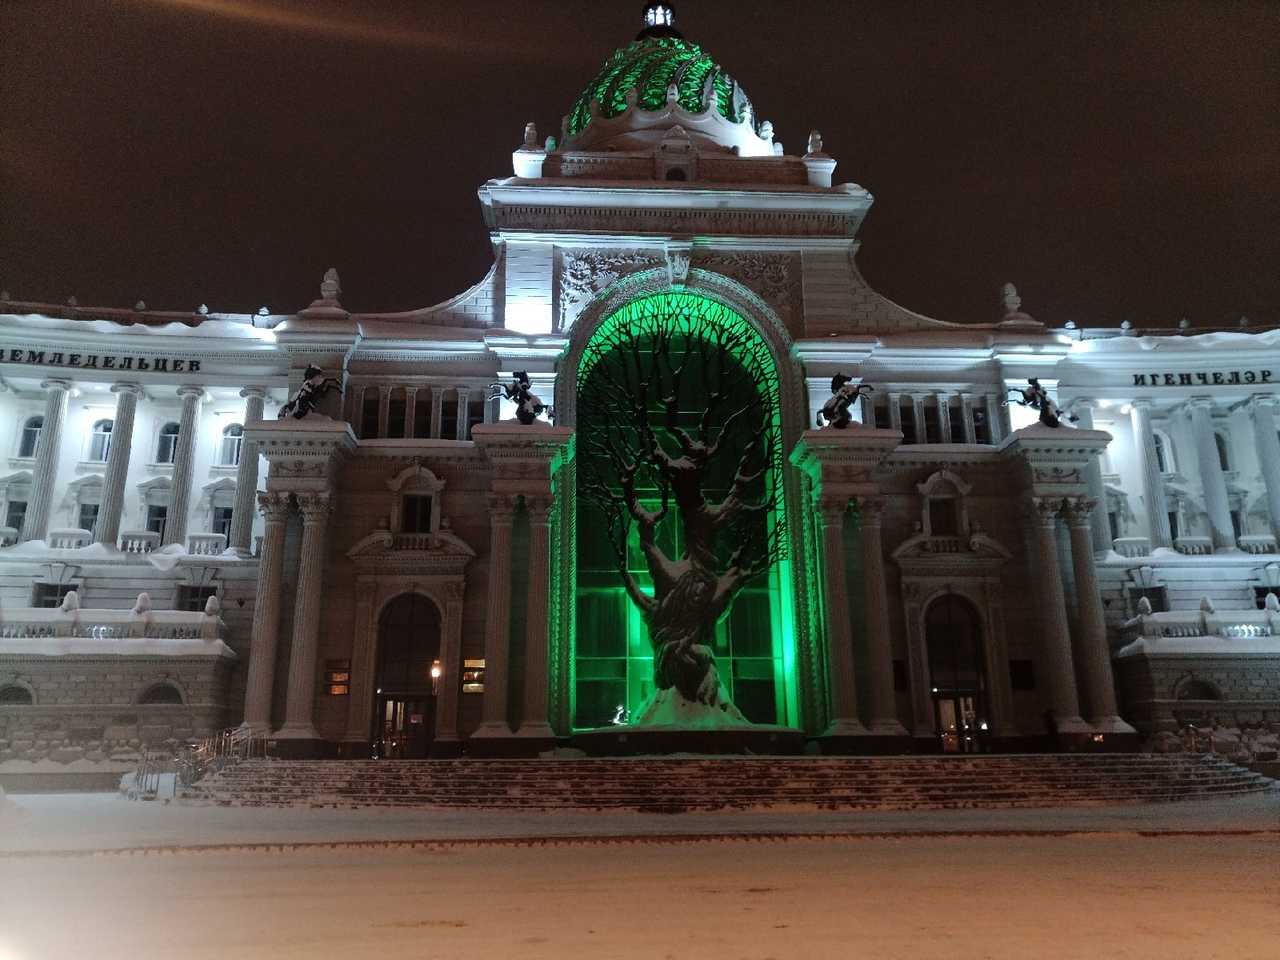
1157 693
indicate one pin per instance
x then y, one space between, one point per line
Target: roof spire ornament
659 21
1009 297
331 286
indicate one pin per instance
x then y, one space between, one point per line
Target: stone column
1098 688
1262 409
464 398
1100 530
44 477
410 411
446 738
882 711
868 410
437 411
1144 443
895 412
844 691
917 419
1055 641
300 705
944 417
108 527
497 623
184 461
966 418
246 475
995 419
384 410
264 640
537 635
1212 480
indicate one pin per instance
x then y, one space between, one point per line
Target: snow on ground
78 821
1112 896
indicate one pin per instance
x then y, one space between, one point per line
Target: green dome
650 65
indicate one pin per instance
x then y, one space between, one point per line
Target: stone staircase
670 784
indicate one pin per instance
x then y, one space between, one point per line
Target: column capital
1078 510
1141 403
126 387
1262 400
254 393
1200 403
832 507
1085 402
1044 510
274 506
315 505
539 509
502 507
56 383
191 390
871 511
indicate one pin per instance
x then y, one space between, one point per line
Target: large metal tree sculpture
678 424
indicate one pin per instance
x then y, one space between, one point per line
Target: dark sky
1116 160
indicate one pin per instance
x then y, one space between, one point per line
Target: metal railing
194 760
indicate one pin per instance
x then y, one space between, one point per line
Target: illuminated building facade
412 571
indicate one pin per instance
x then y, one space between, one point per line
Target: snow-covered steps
710 783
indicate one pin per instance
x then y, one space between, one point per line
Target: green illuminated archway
700 371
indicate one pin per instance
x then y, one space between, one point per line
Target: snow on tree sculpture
678 423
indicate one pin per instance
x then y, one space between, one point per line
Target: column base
851 737
493 730
256 729
445 749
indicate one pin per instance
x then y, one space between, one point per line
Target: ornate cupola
659 21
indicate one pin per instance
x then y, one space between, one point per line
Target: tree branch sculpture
679 410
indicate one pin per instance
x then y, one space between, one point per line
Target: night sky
1115 160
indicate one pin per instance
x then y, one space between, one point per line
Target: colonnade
44 479
435 427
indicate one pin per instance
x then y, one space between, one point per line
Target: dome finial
659 20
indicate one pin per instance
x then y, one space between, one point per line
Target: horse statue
315 387
518 391
844 393
1037 398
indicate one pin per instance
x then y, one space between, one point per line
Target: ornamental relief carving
584 274
773 276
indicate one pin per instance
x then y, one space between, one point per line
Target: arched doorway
957 676
404 717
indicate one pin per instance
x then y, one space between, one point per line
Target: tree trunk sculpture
681 412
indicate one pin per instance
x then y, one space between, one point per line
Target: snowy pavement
997 897
48 823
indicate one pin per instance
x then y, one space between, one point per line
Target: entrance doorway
958 683
404 719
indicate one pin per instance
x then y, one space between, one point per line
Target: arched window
100 441
1224 452
30 438
1164 453
232 441
161 693
15 696
167 443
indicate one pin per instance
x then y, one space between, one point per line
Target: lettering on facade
1217 378
93 361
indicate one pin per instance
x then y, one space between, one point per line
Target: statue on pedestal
528 404
315 387
1037 398
844 393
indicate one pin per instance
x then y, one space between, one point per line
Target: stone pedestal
840 465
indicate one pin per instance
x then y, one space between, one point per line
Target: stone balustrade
139 541
1258 543
45 623
1194 546
1179 624
70 539
1132 547
415 541
206 544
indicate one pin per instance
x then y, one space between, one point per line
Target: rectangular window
449 417
157 513
882 417
193 599
417 515
981 427
932 425
1173 525
15 514
396 414
942 517
222 521
337 677
907 417
1022 675
49 595
1236 526
1113 521
422 414
369 414
88 516
475 415
473 676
